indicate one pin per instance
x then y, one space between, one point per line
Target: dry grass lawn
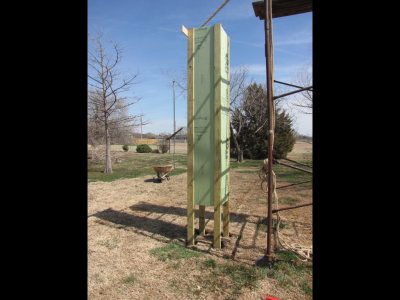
130 219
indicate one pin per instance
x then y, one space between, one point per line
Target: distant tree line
182 135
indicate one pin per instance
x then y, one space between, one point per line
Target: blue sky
153 44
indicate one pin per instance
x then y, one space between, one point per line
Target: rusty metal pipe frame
293 92
289 84
285 186
291 207
293 167
269 83
297 162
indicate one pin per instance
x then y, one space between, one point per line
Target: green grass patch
242 275
129 279
263 225
306 288
291 273
288 200
290 175
230 277
246 164
248 171
210 263
173 251
236 278
286 255
283 173
306 162
136 165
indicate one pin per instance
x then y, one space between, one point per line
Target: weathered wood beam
185 31
225 219
217 136
202 220
282 8
269 74
190 158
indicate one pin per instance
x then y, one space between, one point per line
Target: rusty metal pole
269 81
291 207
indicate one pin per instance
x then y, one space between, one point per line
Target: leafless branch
107 108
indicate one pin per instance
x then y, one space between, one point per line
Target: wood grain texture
217 136
225 219
190 158
282 8
202 220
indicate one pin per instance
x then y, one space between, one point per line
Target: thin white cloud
253 69
292 42
293 53
257 45
259 69
297 38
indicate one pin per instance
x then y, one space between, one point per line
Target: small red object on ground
270 298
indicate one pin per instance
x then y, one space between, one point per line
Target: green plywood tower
208 127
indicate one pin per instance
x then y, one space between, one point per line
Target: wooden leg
202 219
225 219
190 224
217 226
190 215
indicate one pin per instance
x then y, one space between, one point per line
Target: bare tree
180 79
238 84
305 99
107 106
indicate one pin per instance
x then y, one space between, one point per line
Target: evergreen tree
254 122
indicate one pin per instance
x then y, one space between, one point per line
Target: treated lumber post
202 220
217 226
208 126
185 31
190 158
217 136
225 208
225 219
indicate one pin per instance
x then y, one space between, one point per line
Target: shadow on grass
166 232
152 180
179 211
166 229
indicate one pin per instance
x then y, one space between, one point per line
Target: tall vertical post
190 158
202 220
208 127
217 136
269 82
173 88
225 219
141 129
